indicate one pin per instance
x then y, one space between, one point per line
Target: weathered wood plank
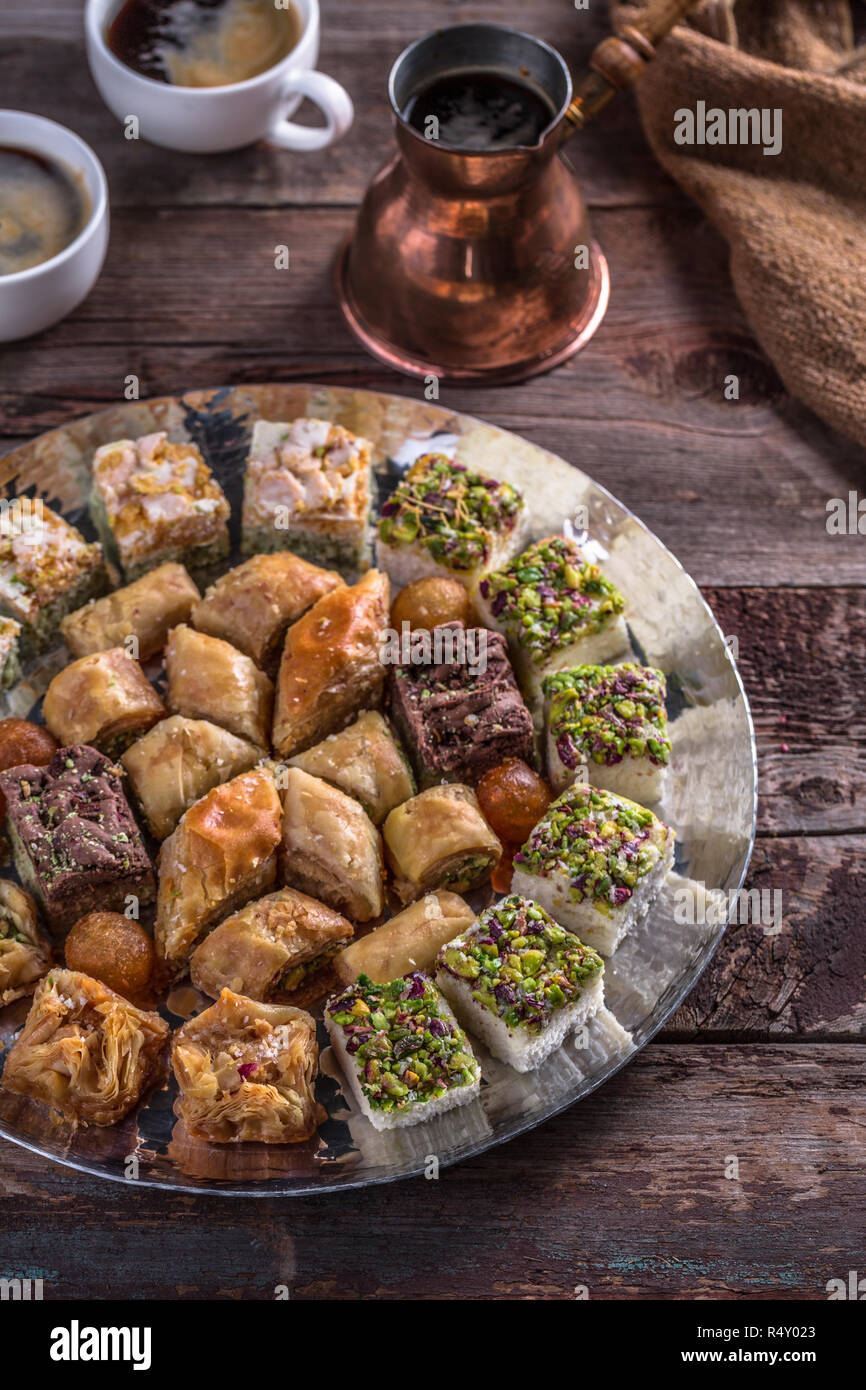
554 1210
43 68
190 299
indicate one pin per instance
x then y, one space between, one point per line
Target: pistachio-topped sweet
404 1041
602 714
520 964
550 597
605 845
454 514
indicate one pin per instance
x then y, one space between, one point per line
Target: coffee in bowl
43 208
203 43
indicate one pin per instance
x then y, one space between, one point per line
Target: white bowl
33 299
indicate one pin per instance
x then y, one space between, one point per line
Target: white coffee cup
32 299
204 120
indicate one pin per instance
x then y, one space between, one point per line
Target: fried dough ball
513 799
429 602
22 742
114 949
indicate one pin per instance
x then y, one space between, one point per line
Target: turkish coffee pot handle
618 61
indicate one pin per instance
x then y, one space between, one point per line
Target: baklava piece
46 571
444 519
177 762
271 947
331 665
155 501
247 1071
10 655
461 715
210 679
307 489
252 605
409 941
76 845
439 839
404 1054
222 854
146 610
85 1051
25 951
365 761
104 699
520 982
331 849
596 862
610 721
555 609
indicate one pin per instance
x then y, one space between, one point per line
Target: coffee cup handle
332 100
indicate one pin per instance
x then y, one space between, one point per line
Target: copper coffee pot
479 265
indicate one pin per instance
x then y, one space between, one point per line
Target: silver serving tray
711 802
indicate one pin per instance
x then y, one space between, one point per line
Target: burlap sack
796 221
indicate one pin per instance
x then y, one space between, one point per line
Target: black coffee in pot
479 111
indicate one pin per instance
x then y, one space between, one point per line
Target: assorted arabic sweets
402 1050
366 761
74 838
47 570
25 951
308 488
145 610
270 947
251 605
154 501
104 700
85 1051
458 709
447 521
246 1071
286 798
596 862
555 609
520 981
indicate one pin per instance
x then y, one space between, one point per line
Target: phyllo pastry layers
252 605
177 762
270 946
46 570
147 609
104 700
331 849
222 853
246 1071
409 941
74 838
331 667
439 839
308 488
365 761
404 1054
25 951
155 501
84 1050
209 679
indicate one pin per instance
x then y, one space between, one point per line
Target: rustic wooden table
625 1193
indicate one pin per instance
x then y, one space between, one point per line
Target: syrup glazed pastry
252 605
331 849
246 1071
271 947
410 941
439 839
208 679
223 852
146 610
25 951
366 761
85 1051
331 667
104 700
177 762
